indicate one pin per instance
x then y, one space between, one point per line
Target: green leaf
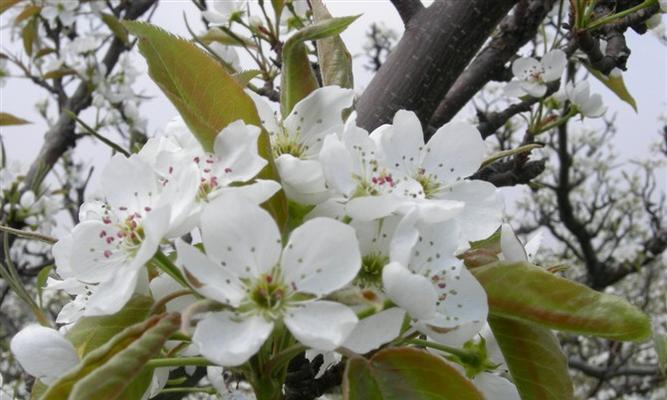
29 11
334 58
28 34
616 85
298 78
42 276
108 372
116 27
405 373
660 341
38 390
205 95
244 77
89 333
7 4
529 293
59 73
9 119
535 360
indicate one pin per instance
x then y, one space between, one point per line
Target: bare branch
407 8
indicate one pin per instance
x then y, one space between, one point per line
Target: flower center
370 274
283 143
429 185
268 295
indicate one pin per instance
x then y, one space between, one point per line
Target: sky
646 79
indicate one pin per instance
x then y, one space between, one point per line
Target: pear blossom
63 10
296 139
247 269
588 105
454 152
425 278
533 75
43 352
125 230
222 12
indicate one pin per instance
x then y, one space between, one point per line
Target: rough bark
438 44
515 31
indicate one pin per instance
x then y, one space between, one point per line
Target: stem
573 111
462 354
178 362
164 263
207 390
28 235
611 18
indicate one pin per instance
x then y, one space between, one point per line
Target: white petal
228 341
375 237
513 89
533 245
322 255
211 279
414 293
496 387
240 234
62 251
455 151
461 300
404 239
236 151
401 146
554 63
337 165
317 115
110 296
369 208
456 336
434 251
376 330
129 183
533 88
303 180
321 325
524 67
483 211
96 259
43 352
511 247
266 114
257 192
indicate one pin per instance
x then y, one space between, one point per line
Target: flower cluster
370 256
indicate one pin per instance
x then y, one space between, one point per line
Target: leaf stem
178 362
465 356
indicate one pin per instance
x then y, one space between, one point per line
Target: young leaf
616 85
29 34
110 370
405 373
89 333
660 341
334 58
7 4
298 78
529 293
535 360
9 119
29 11
116 27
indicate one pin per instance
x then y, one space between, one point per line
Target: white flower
246 268
359 179
588 105
124 231
221 12
297 138
59 9
663 5
43 352
426 279
454 152
532 75
234 160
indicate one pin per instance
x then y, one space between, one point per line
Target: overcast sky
646 79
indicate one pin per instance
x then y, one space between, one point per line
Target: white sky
646 79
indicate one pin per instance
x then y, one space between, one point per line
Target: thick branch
60 136
605 372
515 31
436 47
407 8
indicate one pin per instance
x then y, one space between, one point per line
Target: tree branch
436 47
515 31
607 372
407 8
